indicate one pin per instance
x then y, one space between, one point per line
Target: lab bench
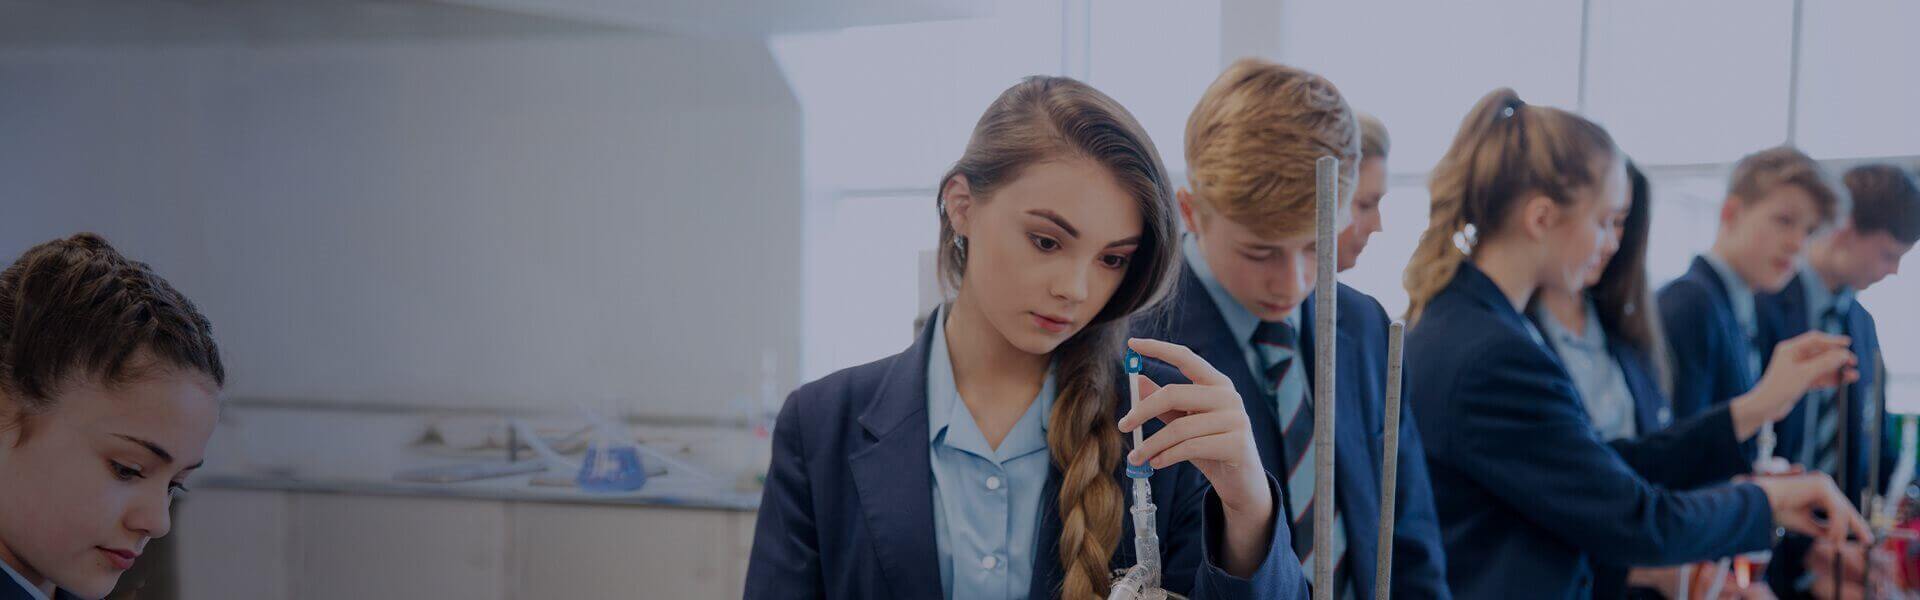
301 502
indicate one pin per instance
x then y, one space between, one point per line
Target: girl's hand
1808 503
1811 360
1206 425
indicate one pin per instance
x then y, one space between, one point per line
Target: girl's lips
1051 324
121 559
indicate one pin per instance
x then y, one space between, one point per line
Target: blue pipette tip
1139 471
1134 362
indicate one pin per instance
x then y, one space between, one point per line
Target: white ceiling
33 23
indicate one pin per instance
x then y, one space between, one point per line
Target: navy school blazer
1707 343
1528 496
1190 318
848 507
1783 315
10 590
1651 451
1706 435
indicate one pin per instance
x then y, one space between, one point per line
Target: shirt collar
1821 296
1738 293
945 411
22 582
1240 321
1591 337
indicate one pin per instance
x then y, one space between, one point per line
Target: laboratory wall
520 219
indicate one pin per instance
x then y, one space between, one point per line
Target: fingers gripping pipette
1142 581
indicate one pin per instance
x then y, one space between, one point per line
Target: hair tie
1466 238
1512 107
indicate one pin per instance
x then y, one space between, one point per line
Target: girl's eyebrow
1057 220
165 457
158 452
1075 233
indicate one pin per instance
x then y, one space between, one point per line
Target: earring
960 246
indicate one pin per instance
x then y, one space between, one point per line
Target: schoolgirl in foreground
109 384
985 461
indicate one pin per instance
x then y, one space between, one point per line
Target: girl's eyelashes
1115 261
1044 243
123 472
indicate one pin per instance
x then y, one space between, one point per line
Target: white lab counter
301 502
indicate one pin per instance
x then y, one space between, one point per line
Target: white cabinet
311 546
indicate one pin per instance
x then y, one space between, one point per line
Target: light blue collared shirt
1741 295
1292 386
1596 374
986 501
1821 297
22 581
1241 323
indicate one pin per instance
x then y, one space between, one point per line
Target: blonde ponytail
1506 149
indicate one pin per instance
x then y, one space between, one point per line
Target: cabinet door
232 544
379 547
589 552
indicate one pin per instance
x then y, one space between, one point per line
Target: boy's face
1763 236
104 465
1268 276
1865 258
1369 188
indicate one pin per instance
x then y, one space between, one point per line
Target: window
1421 66
1158 82
891 106
1690 83
1857 88
1686 89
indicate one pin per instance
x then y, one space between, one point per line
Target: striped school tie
1826 422
1278 342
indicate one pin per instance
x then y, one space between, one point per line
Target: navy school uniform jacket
1660 438
1192 319
1528 496
1709 347
1651 452
848 507
11 590
1782 316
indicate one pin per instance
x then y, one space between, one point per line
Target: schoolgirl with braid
987 460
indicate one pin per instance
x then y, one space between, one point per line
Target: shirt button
987 562
993 483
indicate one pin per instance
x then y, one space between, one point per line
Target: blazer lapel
1354 453
1199 323
894 476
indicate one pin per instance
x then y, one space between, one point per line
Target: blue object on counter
612 468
